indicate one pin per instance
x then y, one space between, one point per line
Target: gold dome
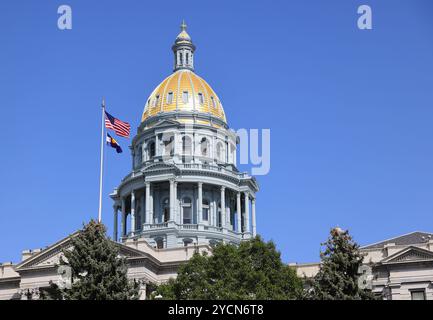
185 92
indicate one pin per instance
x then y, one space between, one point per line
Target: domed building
183 194
184 187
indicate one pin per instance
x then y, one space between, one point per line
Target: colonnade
241 214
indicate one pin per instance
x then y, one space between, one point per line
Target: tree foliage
252 270
98 272
337 278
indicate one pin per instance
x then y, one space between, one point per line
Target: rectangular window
200 98
187 215
213 102
417 294
185 97
170 98
205 214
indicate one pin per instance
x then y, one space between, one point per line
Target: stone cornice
172 116
184 170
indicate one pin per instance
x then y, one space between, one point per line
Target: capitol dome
183 94
184 91
184 187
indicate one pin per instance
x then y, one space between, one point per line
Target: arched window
166 210
144 157
187 242
151 150
169 146
232 154
204 147
186 145
187 210
205 210
159 243
220 151
214 242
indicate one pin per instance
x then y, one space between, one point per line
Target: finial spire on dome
183 49
183 25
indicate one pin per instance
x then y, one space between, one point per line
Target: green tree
337 278
252 270
98 272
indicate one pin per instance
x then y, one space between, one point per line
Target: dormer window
185 97
200 98
170 98
156 100
213 102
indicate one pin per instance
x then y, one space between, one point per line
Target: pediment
50 256
410 254
166 123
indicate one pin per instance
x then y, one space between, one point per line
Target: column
228 213
200 203
171 200
247 213
193 147
133 217
214 208
253 215
123 224
143 210
148 216
115 207
176 213
223 207
239 211
151 208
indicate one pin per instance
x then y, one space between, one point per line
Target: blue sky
350 111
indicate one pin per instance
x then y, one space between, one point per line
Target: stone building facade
400 268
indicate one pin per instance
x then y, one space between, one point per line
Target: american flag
121 128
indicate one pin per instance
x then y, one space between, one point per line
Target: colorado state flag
113 143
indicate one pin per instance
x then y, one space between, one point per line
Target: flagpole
102 161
